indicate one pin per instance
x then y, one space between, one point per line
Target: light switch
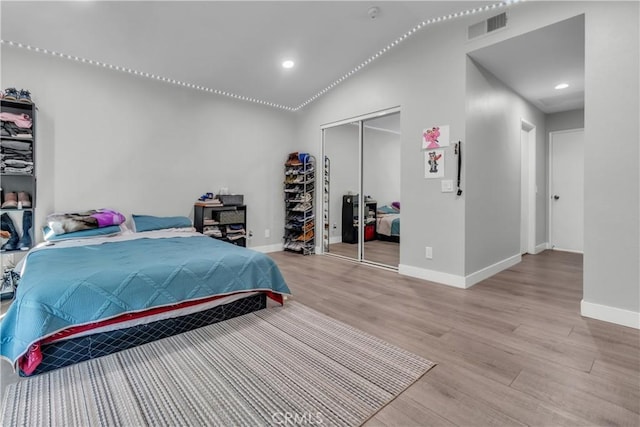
447 186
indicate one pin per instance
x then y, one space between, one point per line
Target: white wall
492 219
573 119
424 77
107 139
612 195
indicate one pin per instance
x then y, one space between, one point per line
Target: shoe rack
299 188
18 187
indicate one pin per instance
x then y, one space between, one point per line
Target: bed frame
385 238
63 353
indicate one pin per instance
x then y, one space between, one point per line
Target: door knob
556 197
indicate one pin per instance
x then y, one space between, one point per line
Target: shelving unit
326 232
351 220
299 187
229 221
16 182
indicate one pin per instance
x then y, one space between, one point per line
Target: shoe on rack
24 199
305 206
293 160
11 94
10 201
302 207
7 287
24 96
6 224
305 236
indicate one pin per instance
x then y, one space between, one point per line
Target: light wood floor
380 251
512 350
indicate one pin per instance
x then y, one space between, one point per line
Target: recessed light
562 86
288 64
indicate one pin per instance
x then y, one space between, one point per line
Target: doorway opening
566 190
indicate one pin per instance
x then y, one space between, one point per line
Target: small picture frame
435 137
434 164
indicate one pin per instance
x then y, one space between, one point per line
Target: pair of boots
15 242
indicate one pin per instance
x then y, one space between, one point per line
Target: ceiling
237 47
534 63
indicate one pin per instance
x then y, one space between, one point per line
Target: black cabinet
351 220
227 223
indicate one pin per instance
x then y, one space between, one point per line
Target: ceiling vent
484 27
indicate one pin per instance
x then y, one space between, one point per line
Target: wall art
435 137
434 164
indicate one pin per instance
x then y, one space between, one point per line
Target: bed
388 223
84 298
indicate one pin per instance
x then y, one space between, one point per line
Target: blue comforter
68 286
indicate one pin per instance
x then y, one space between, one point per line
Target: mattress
388 224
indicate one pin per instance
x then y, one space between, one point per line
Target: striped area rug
283 366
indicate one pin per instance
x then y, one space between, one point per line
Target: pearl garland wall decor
364 63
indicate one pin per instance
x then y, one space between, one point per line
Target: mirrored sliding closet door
381 189
340 194
361 188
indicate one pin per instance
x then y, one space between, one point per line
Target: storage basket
231 217
231 199
369 232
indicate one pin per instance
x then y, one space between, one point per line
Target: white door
566 189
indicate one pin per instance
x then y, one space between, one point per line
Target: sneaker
11 93
24 96
9 284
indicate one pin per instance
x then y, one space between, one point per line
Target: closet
361 186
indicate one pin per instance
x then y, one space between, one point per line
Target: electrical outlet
335 226
428 252
267 233
250 233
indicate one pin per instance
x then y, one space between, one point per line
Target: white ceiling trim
344 77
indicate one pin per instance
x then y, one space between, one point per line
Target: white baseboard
268 248
573 251
462 282
610 314
432 275
489 271
541 247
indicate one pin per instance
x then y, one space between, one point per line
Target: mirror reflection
373 228
341 168
381 188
